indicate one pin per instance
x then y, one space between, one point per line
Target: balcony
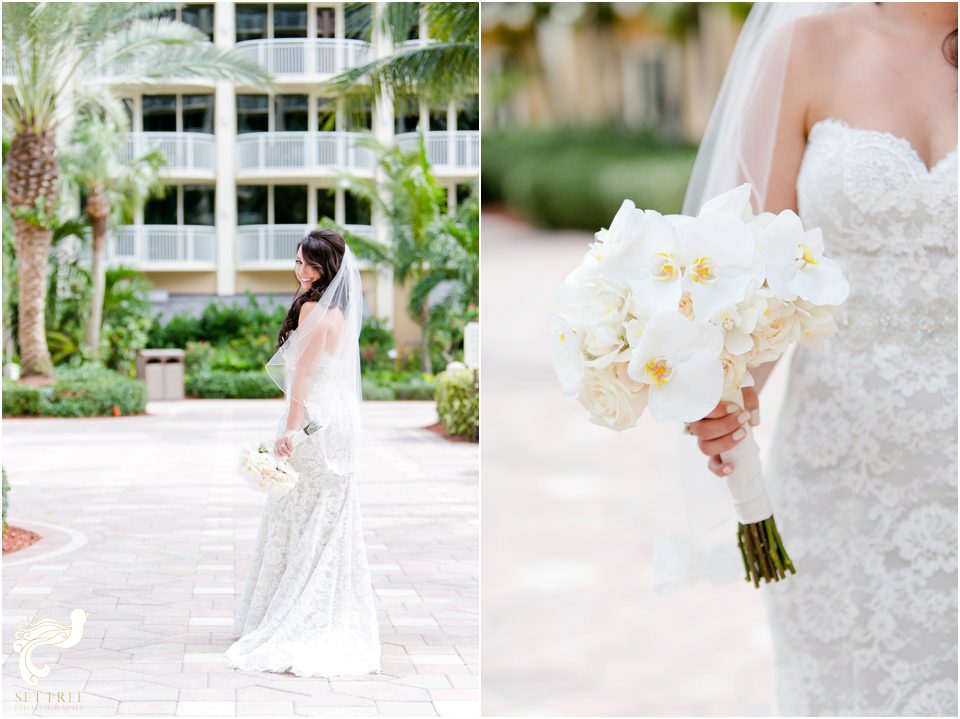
300 58
274 247
456 151
270 153
187 153
9 70
164 247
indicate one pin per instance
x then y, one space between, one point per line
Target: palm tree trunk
98 211
32 176
425 364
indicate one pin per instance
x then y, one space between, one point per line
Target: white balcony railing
301 151
459 149
164 247
185 151
275 246
305 56
9 70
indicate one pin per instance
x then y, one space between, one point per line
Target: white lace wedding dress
863 470
307 604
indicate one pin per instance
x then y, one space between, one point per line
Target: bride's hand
723 428
283 446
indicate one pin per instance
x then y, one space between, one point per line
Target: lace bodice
863 471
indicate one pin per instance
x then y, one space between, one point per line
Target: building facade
249 173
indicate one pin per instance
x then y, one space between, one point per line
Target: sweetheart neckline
886 133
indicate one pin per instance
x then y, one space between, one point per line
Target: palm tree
114 188
429 246
62 47
443 69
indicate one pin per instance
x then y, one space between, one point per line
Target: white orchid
734 203
720 262
817 322
568 360
739 321
651 265
795 265
679 359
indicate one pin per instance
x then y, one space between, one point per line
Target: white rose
779 328
611 403
734 370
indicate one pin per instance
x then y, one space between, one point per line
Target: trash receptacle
162 370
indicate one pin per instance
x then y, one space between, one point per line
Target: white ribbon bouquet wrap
670 312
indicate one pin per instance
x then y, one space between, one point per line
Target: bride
307 605
849 117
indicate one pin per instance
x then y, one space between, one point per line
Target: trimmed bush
577 178
90 391
227 384
6 489
458 405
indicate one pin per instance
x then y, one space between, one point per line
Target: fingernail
755 417
739 434
743 417
731 408
727 470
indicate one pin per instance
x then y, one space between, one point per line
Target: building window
251 22
356 210
463 192
438 119
159 113
326 203
161 210
326 114
468 115
199 202
326 22
253 113
200 17
290 113
197 113
252 204
290 205
289 20
358 115
406 113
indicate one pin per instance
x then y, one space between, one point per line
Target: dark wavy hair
324 250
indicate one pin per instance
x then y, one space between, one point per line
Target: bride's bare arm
720 430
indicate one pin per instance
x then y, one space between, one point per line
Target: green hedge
6 490
227 384
458 405
577 178
89 391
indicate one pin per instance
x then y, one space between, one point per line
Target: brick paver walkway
147 529
570 623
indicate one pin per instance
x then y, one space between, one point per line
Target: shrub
376 341
227 384
6 489
458 405
577 178
376 392
220 323
90 391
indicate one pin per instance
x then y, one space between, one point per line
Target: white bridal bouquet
670 312
265 472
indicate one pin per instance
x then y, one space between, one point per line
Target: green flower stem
763 553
